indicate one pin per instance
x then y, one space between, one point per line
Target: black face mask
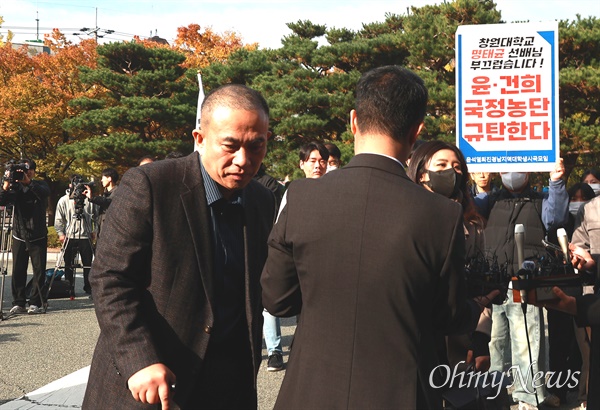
445 182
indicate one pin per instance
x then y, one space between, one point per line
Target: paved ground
37 350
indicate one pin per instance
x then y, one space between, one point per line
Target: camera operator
29 198
110 177
73 221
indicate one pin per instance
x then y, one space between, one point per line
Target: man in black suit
176 278
378 275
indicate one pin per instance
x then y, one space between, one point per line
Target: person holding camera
29 198
110 176
73 222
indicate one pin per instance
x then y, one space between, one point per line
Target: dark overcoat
152 280
375 265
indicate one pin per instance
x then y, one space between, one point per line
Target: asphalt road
38 349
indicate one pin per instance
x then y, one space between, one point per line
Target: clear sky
260 21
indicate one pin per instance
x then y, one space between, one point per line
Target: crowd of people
197 258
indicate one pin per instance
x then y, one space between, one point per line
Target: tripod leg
3 258
2 298
60 258
5 247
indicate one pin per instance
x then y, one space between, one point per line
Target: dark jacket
103 202
507 212
30 205
537 212
153 283
376 278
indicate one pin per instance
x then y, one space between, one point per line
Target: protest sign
507 96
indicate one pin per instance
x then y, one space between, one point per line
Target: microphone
564 244
522 273
520 243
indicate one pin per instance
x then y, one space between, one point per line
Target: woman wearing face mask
441 168
579 194
592 178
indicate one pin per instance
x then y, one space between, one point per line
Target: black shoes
275 362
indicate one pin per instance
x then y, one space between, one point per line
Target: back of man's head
235 97
112 174
390 100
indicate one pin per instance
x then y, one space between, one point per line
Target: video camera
484 275
15 172
78 187
536 278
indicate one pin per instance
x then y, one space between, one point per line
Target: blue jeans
509 348
272 332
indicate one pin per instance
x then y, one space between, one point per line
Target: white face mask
514 181
331 168
574 206
596 188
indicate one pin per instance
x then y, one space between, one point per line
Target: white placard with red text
507 96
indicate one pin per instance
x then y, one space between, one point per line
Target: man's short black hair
333 150
390 100
306 149
112 173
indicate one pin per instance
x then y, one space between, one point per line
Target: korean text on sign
507 96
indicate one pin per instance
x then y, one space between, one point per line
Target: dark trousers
227 379
83 247
38 253
562 351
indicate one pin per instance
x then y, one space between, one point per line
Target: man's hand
88 192
152 385
61 238
559 170
564 303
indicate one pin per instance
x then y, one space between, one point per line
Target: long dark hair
417 167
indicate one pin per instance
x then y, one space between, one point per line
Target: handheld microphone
564 244
520 243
